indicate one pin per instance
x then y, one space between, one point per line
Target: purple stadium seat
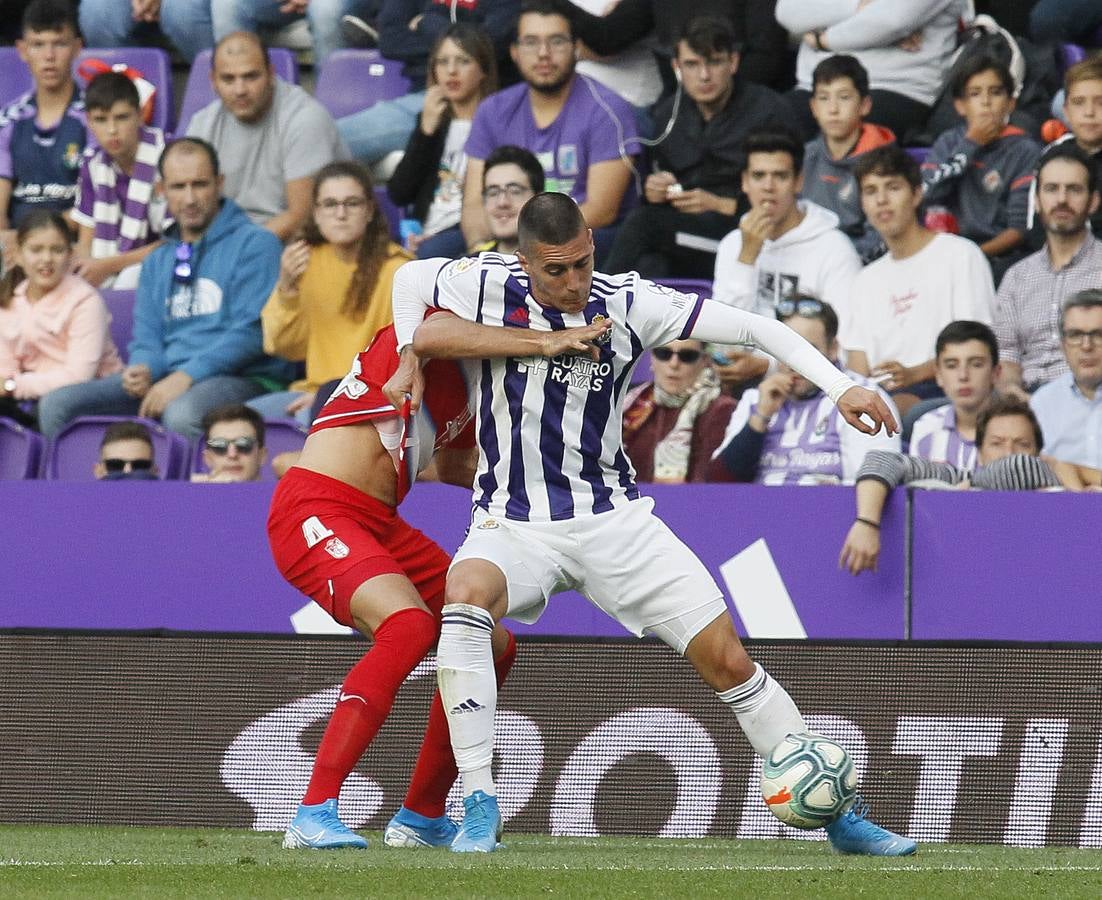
120 304
700 286
154 65
20 451
392 213
73 453
15 77
1070 54
918 154
199 92
352 80
280 436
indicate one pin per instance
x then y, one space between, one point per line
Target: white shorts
627 562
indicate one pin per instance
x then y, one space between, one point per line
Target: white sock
764 711
468 688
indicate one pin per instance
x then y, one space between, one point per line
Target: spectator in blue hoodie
197 340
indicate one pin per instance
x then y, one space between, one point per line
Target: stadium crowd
911 186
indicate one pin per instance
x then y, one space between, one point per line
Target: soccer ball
808 780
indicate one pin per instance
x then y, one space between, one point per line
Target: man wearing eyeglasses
1070 407
786 431
197 340
581 132
126 454
510 178
233 445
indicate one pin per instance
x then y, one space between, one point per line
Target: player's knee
468 587
414 630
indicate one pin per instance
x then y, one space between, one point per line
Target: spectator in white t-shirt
926 280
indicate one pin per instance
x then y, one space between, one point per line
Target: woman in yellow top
333 291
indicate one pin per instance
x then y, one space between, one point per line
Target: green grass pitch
63 861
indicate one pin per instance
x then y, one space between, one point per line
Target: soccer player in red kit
336 535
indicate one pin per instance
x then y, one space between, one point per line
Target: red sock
401 642
435 770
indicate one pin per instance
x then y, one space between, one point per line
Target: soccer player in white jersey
556 505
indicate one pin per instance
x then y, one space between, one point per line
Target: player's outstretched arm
445 336
724 325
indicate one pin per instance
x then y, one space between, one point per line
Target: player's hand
292 264
656 186
169 388
581 341
436 104
743 367
774 391
694 201
893 375
137 380
861 551
860 402
407 382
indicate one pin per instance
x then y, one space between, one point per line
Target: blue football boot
852 832
412 830
481 828
317 827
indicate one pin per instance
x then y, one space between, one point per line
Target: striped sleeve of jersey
1015 473
892 469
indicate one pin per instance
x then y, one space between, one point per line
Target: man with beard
1027 308
576 128
786 431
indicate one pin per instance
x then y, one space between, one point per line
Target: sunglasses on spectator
512 189
350 204
803 306
221 446
128 465
182 271
1083 338
665 354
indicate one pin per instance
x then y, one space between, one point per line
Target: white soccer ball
808 780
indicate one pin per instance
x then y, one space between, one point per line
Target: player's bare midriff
355 455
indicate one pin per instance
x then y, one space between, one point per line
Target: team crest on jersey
72 156
488 524
992 180
336 548
821 428
605 338
462 265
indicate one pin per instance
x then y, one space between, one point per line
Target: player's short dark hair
544 8
234 412
1071 151
1091 298
966 330
709 36
886 161
1007 406
773 140
109 88
518 156
807 307
50 15
126 431
549 218
841 65
974 65
188 144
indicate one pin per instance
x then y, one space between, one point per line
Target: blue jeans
448 243
323 16
1064 21
105 397
383 128
109 23
274 406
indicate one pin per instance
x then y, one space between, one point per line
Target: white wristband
839 387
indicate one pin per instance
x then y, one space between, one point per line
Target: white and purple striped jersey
549 430
935 437
808 441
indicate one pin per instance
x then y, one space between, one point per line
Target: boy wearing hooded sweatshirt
782 247
840 102
982 171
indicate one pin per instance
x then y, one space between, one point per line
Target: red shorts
328 538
